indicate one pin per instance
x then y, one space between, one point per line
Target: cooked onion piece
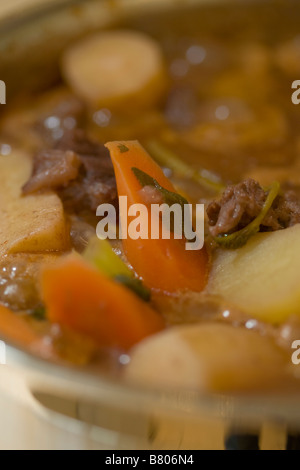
123 69
261 278
207 357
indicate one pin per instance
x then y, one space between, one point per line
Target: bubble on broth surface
5 149
196 54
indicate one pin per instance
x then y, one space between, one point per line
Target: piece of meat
99 180
96 182
285 211
86 194
79 169
240 204
78 141
52 169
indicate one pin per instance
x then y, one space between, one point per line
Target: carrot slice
163 264
14 328
78 296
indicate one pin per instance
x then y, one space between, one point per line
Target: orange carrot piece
78 296
162 264
14 328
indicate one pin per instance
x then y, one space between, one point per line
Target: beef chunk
239 205
285 211
78 141
242 203
92 181
52 169
96 183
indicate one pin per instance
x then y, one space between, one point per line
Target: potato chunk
32 223
261 278
123 69
207 357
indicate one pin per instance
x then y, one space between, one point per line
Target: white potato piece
33 224
123 69
15 169
207 357
28 224
261 278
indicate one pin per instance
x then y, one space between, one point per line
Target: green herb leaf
135 285
240 238
165 157
143 178
169 197
39 313
123 148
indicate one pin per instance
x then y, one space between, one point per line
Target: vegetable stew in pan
173 110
